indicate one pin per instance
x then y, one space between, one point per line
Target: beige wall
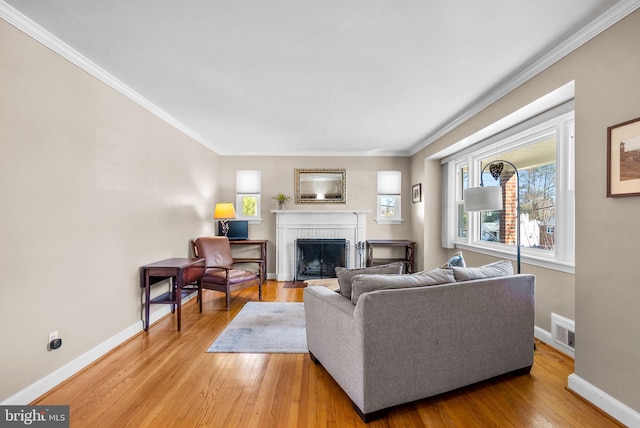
607 287
93 186
602 296
278 176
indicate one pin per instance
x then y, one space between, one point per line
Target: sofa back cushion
492 270
364 283
345 275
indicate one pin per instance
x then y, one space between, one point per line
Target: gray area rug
265 327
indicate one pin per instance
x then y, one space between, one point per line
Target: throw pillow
492 270
455 260
364 283
345 275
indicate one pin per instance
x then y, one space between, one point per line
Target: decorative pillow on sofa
364 283
455 260
492 270
345 275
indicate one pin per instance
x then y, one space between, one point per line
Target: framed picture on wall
623 159
416 193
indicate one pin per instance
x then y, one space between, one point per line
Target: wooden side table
182 272
409 249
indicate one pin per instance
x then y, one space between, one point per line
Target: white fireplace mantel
306 224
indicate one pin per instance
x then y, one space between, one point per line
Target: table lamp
223 212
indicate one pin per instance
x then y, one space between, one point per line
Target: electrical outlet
54 341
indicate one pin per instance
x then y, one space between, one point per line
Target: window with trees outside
389 197
544 156
248 183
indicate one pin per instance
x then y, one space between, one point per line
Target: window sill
385 221
251 220
529 259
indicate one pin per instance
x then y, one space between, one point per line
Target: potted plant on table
281 198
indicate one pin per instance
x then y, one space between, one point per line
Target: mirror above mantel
321 186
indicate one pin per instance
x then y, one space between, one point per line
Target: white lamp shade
247 181
224 211
389 182
487 198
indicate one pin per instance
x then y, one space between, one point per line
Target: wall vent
563 333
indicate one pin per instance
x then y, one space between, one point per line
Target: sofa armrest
334 338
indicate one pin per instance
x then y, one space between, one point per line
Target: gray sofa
398 345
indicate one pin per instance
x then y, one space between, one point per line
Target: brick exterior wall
509 217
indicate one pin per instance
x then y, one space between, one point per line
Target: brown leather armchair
219 274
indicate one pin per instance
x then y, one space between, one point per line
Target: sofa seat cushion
345 275
364 283
492 270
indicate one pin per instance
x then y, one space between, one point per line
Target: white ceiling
333 77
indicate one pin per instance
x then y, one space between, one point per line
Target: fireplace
319 258
295 225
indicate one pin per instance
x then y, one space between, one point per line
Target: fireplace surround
292 225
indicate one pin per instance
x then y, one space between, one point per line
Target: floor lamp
490 198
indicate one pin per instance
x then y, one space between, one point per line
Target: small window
389 208
389 197
248 198
249 204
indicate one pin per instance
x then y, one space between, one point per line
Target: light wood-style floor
164 378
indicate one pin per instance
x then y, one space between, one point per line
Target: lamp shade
224 210
486 198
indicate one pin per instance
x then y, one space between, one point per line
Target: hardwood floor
164 378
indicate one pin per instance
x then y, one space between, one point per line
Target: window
543 153
249 205
462 182
389 197
248 195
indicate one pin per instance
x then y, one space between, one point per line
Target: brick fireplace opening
318 258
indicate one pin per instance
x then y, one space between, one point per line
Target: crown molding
42 36
597 26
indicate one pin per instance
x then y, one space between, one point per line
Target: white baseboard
614 408
619 411
545 337
40 387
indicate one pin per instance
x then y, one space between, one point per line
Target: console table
263 253
181 272
409 248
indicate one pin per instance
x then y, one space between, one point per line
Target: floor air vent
563 333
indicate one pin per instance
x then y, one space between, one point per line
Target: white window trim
563 257
389 185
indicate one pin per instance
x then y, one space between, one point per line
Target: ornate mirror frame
321 186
